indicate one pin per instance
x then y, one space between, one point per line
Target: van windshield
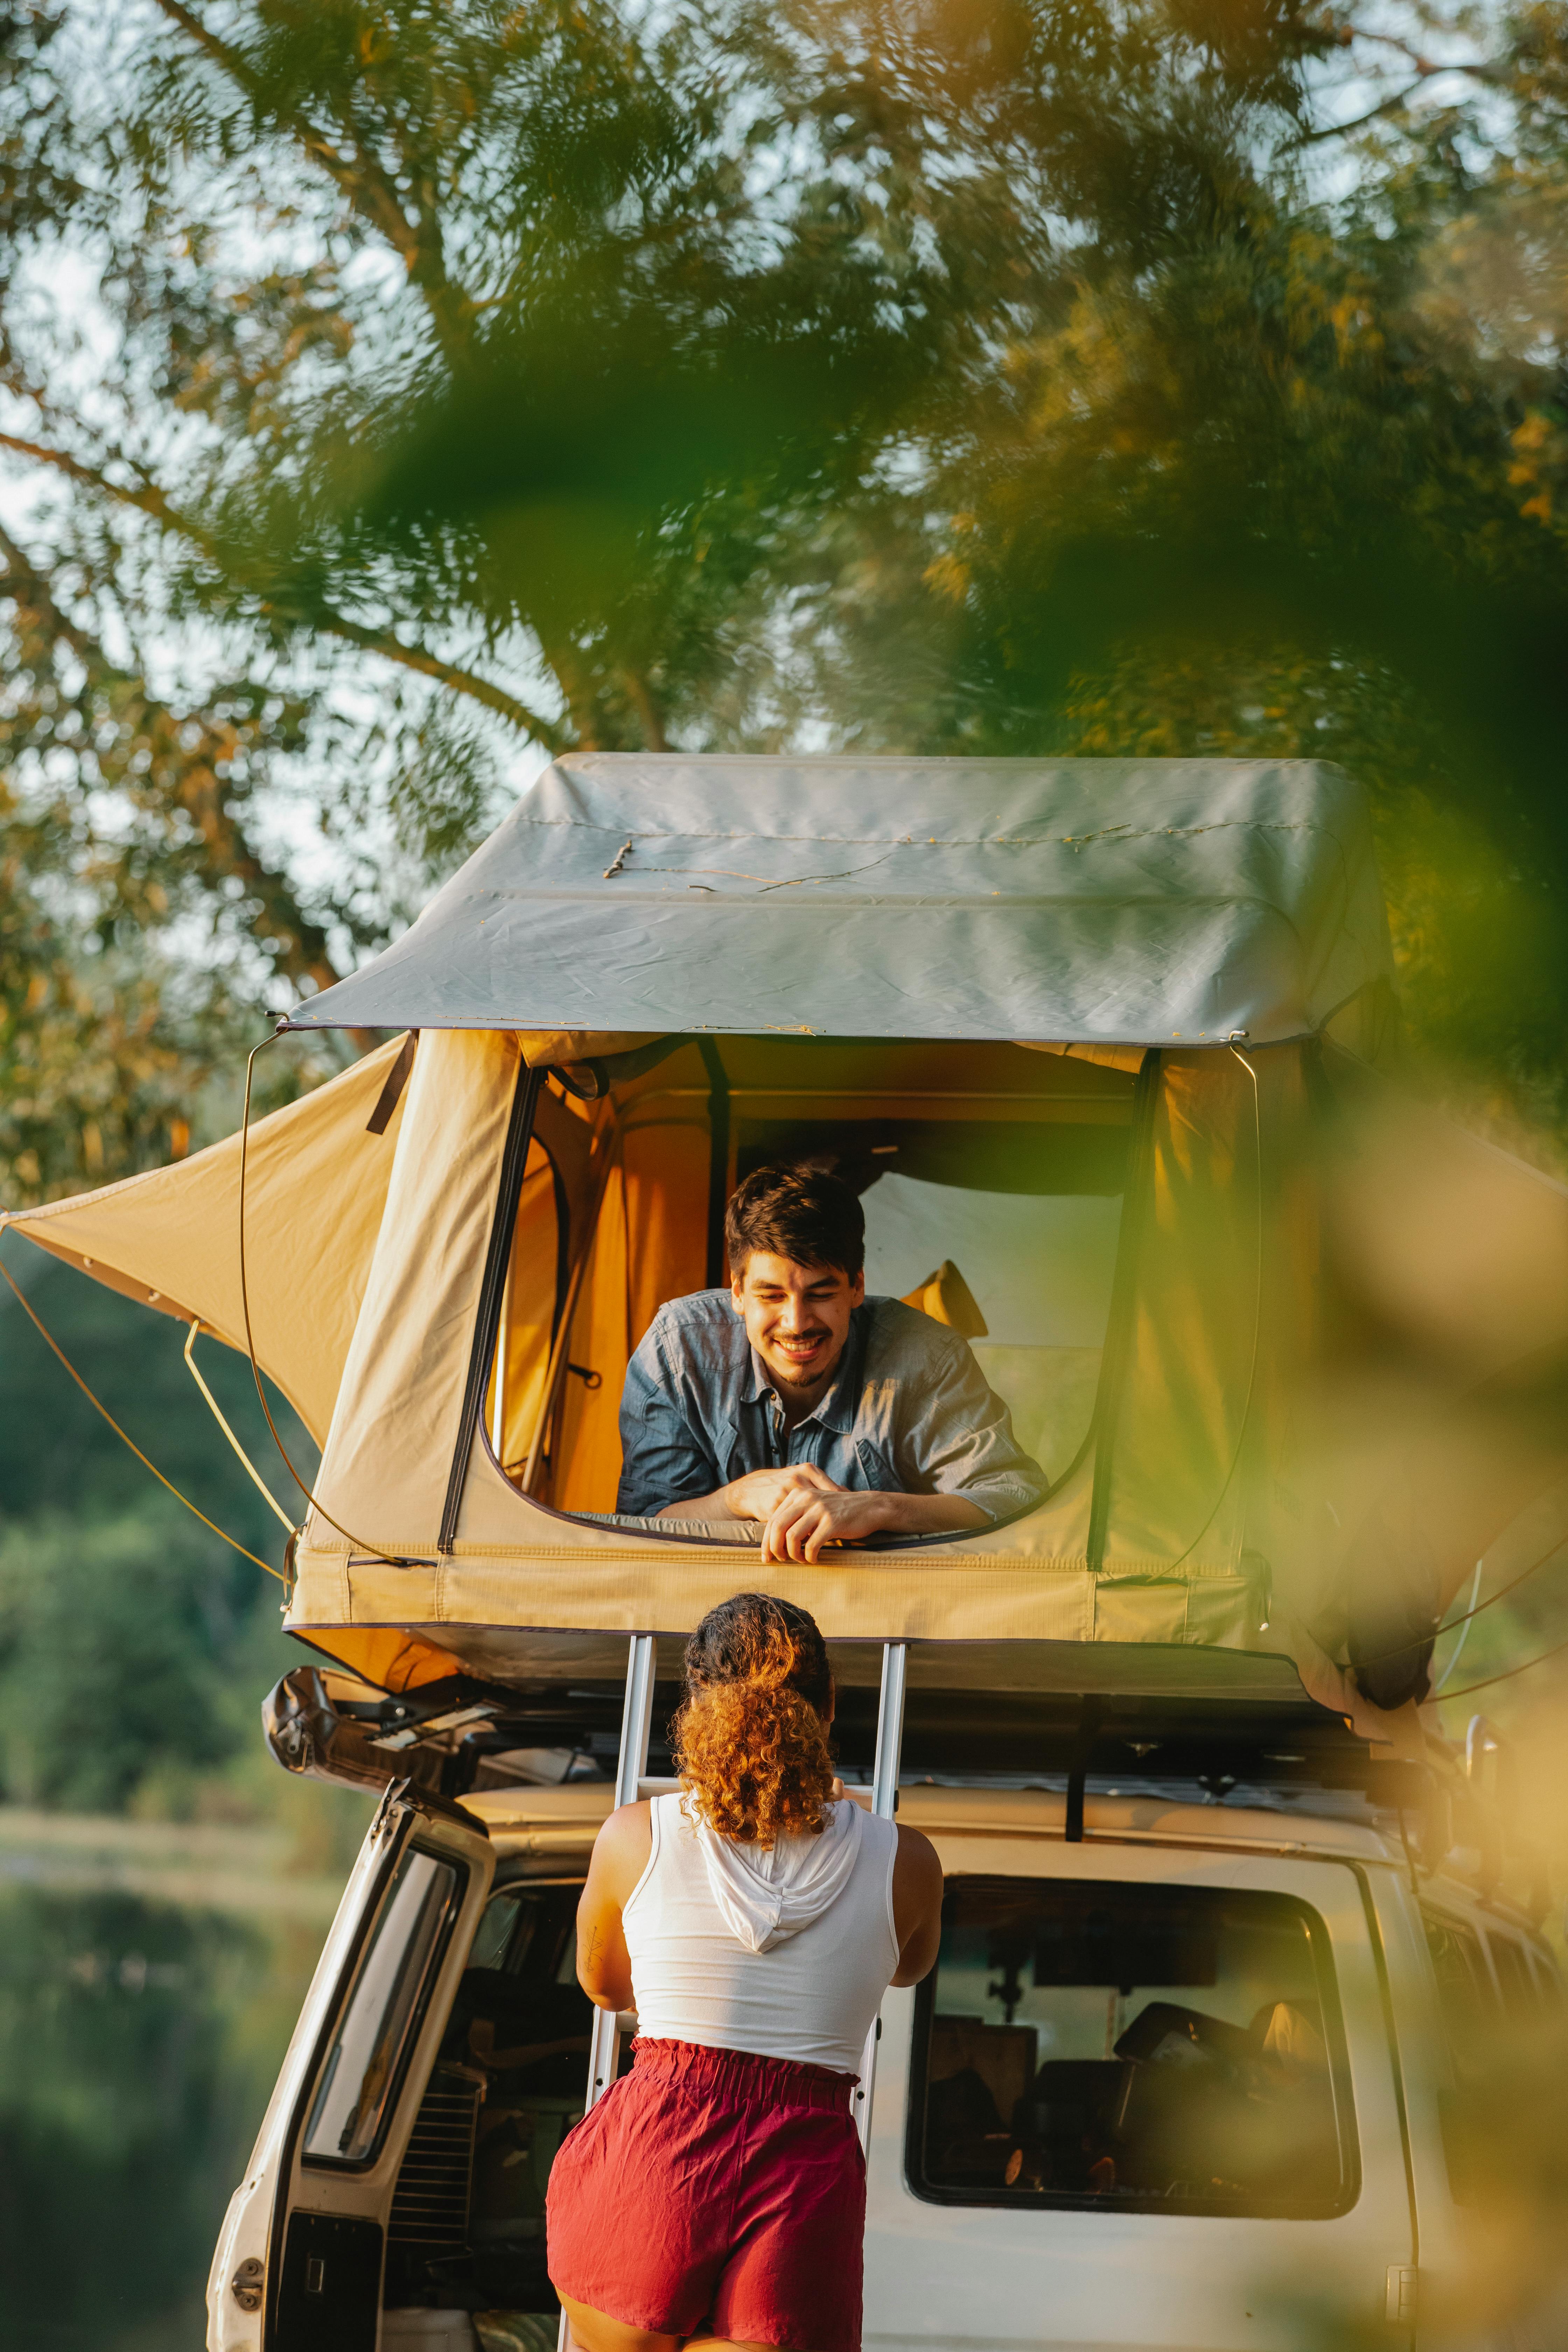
1126 2046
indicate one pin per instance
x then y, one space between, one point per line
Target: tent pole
560 1349
885 1804
503 1338
718 1156
636 1722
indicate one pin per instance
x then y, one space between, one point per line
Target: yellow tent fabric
517 1559
315 1183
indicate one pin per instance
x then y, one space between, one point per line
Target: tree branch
365 181
1373 114
23 580
152 502
641 700
198 789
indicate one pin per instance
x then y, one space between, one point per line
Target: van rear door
1146 2101
299 2259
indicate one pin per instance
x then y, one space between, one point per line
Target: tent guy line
52 1343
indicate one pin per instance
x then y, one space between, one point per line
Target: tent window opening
1038 1267
1127 2047
1026 1213
992 1181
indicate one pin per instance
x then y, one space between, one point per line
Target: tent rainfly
1095 1006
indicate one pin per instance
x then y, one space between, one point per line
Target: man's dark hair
796 1212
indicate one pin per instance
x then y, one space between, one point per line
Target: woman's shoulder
625 1841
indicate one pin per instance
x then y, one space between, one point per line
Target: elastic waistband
744 2075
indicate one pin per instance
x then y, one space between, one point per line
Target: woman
754 1921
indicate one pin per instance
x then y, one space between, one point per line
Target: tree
418 390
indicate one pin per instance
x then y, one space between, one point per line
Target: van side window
376 2030
1131 2047
1548 1983
1520 1999
1465 1994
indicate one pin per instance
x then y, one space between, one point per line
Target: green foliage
108 1655
135 1649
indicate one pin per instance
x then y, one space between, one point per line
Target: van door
1146 2101
299 2260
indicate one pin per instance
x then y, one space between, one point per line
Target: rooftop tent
1118 901
994 996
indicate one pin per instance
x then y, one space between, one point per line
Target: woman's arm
620 1856
917 1907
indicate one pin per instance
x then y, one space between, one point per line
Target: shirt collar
835 1409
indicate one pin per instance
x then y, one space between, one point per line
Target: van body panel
968 2276
975 2275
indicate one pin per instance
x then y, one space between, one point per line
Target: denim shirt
909 1411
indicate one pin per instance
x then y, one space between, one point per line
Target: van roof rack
986 1712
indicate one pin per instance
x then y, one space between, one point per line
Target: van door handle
1399 2308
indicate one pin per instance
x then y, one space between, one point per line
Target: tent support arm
498 1258
1116 1356
885 1804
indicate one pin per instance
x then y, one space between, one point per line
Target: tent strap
391 1093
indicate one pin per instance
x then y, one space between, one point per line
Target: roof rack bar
1078 1773
885 1802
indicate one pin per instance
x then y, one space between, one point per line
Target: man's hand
756 1495
803 1521
805 1518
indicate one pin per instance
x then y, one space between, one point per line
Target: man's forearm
924 1514
699 1507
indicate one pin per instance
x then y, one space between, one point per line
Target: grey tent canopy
1090 901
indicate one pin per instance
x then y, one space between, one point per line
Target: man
793 1399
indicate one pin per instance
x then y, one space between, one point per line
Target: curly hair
750 1740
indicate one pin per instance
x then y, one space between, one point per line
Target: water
139 2041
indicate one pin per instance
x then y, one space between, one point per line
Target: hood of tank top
767 1894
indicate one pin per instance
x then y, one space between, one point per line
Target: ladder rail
884 1802
631 1770
636 1721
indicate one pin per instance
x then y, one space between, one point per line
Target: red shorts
713 2185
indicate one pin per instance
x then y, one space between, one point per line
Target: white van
1181 2076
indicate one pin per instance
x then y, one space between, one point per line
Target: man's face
797 1317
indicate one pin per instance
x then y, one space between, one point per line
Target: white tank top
785 1952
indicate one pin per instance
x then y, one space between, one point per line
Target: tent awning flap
317 1177
1093 901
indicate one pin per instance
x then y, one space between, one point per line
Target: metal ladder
631 1770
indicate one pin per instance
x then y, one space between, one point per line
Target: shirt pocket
876 1469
